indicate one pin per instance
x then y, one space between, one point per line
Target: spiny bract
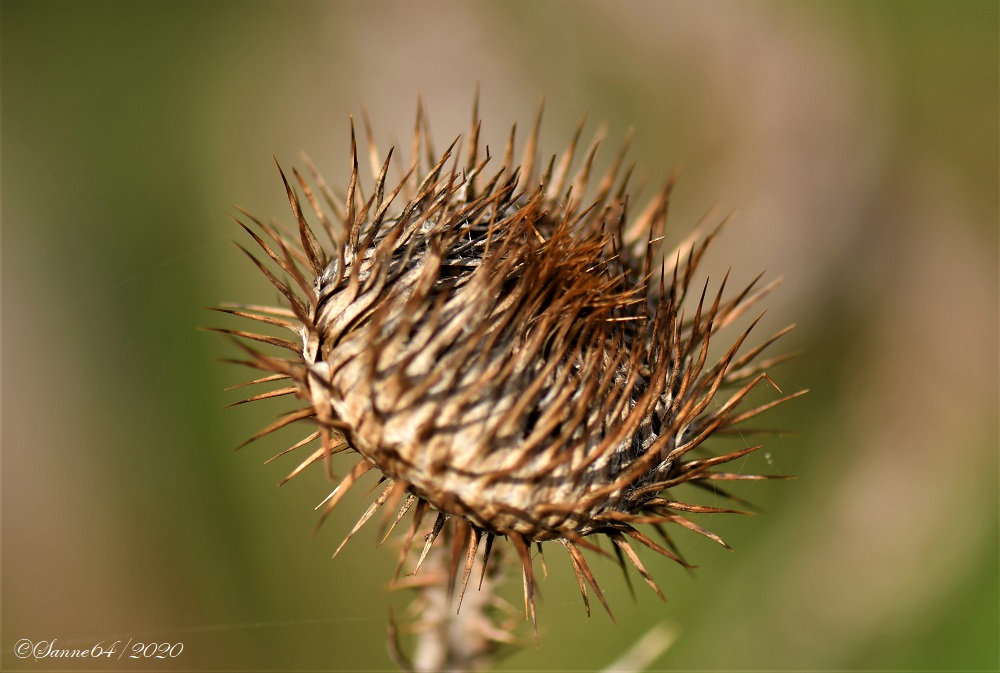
507 354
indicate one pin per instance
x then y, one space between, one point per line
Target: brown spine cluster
513 356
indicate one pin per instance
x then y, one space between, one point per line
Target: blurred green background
858 141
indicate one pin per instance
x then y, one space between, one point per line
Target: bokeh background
858 141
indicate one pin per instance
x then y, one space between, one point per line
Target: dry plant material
513 351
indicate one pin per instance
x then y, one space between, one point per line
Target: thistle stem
449 639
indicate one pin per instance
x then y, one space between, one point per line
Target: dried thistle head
511 349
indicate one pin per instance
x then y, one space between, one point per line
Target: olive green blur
857 140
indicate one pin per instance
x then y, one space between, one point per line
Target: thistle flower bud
511 349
